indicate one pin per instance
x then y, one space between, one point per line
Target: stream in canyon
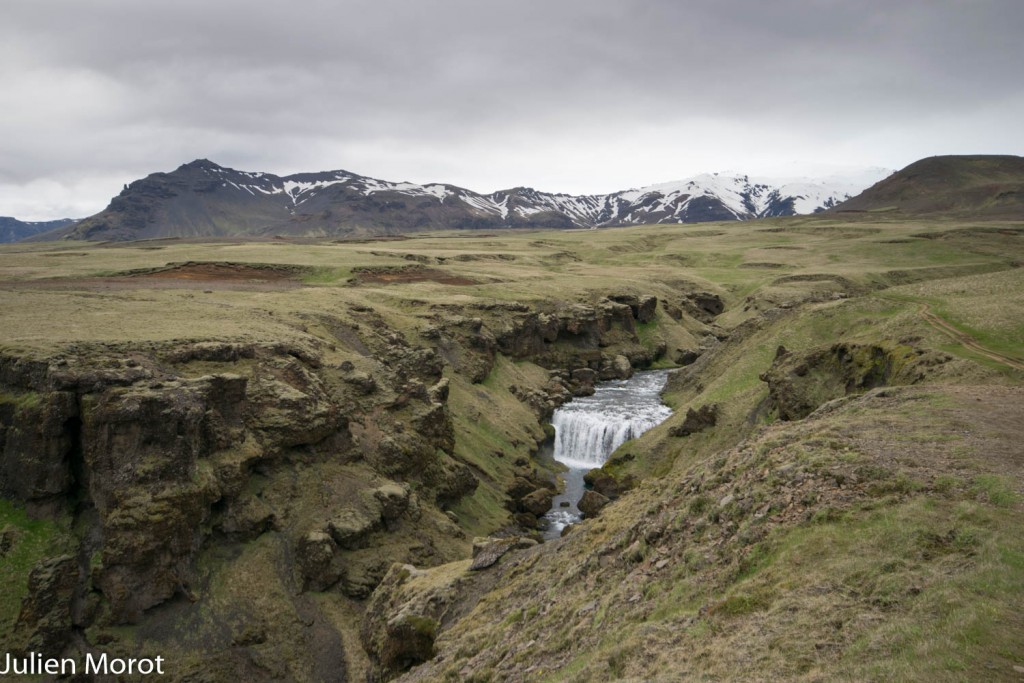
589 429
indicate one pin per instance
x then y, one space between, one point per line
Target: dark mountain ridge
203 199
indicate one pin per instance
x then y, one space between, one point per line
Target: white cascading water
589 429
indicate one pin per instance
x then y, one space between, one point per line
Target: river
589 429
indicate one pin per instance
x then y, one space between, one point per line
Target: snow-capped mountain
204 199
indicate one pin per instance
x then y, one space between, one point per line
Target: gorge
319 460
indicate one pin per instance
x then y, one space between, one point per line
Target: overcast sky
578 96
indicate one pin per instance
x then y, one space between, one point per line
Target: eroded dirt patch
189 275
762 264
221 271
385 275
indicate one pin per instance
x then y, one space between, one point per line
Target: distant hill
984 186
202 199
13 230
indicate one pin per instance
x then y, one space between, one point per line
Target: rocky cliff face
156 465
578 342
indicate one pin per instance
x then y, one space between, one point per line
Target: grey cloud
479 89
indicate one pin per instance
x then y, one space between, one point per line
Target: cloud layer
572 96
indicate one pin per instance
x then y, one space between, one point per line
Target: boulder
591 503
520 488
607 485
704 306
393 499
641 307
526 520
537 503
487 552
316 555
584 375
698 420
646 309
618 367
350 527
686 356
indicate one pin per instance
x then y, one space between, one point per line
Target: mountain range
13 230
203 199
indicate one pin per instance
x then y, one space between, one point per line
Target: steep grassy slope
873 540
330 412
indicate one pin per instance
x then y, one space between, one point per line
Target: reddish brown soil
393 277
205 276
219 272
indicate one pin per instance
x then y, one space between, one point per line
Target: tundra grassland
853 512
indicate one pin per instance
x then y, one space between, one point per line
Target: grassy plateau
855 512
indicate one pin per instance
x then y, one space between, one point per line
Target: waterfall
585 440
589 429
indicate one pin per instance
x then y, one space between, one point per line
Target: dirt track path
967 340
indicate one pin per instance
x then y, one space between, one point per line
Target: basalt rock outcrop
697 420
155 459
580 343
704 306
411 606
798 383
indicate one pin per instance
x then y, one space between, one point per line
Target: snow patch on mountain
708 196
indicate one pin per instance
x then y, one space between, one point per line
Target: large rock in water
618 367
